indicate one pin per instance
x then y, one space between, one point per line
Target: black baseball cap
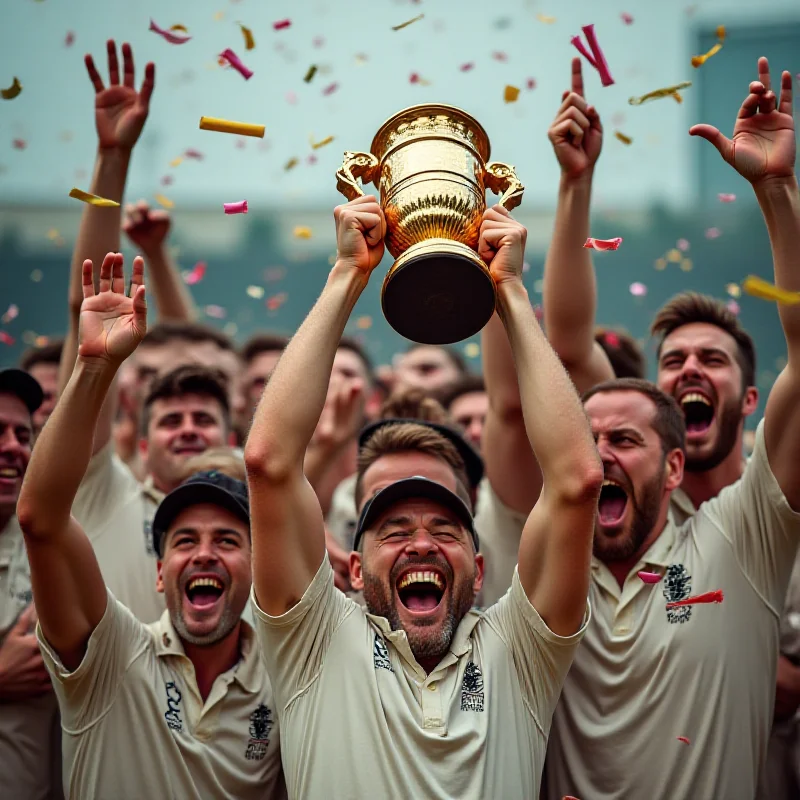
210 486
472 459
412 488
23 385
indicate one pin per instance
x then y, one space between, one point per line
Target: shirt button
433 687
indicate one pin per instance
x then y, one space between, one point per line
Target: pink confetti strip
171 37
69 40
637 289
713 233
236 63
733 307
467 67
683 739
682 245
649 577
330 88
603 244
197 273
530 83
707 597
235 208
726 198
612 340
500 56
281 24
217 312
12 313
6 338
194 154
626 18
576 41
597 59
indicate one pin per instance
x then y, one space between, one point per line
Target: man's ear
143 448
675 461
159 577
356 576
477 584
749 401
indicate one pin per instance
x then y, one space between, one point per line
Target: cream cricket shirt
361 719
30 736
645 675
136 727
116 511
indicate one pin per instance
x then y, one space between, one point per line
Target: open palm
120 111
111 323
763 144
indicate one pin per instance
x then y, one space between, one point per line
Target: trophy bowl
431 165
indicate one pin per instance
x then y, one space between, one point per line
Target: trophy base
438 292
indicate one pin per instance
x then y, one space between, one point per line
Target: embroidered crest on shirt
677 586
260 726
472 688
381 655
173 713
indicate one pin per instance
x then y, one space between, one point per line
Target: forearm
499 371
172 297
555 421
293 399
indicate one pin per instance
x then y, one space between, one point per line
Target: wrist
776 187
95 369
509 293
346 275
583 181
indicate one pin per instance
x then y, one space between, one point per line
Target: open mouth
204 592
612 504
10 473
421 591
698 411
189 449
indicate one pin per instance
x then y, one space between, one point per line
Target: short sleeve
756 518
86 694
500 530
542 658
294 644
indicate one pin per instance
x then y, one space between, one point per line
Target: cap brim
23 385
193 494
406 489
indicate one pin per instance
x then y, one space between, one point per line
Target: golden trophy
430 165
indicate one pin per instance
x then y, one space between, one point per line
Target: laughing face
698 367
205 573
16 436
638 475
418 569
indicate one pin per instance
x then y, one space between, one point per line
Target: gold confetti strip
407 23
674 256
511 94
321 143
545 19
256 292
249 41
229 126
661 264
219 16
733 289
667 91
757 287
291 164
179 28
698 61
312 71
302 232
176 161
12 91
686 264
623 138
165 202
472 350
93 199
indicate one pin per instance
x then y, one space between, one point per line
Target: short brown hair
262 343
623 351
188 379
689 307
226 460
172 330
47 354
669 422
404 437
466 384
412 403
456 359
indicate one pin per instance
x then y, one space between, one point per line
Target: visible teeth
193 584
695 397
9 472
421 577
608 482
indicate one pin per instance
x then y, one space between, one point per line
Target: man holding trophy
418 695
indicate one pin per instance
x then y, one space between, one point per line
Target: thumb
711 134
140 309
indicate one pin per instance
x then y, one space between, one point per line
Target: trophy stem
438 292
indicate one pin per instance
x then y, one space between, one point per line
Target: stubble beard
730 418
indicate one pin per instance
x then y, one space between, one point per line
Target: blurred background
660 192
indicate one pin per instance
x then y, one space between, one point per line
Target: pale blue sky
57 96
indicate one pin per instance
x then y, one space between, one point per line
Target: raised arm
763 151
556 547
68 588
570 288
287 526
120 114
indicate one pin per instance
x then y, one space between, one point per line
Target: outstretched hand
147 228
120 111
763 144
360 228
502 244
112 323
576 133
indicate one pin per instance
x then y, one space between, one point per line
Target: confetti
683 739
686 264
500 56
217 312
6 338
407 23
713 233
290 164
235 208
321 143
530 83
330 88
37 275
12 313
603 244
176 161
545 19
196 274
279 273
167 180
164 202
236 63
256 292
69 39
660 263
623 138
276 301
733 289
596 58
169 36
228 126
611 339
312 71
467 67
318 41
415 77
180 28
510 94
667 91
93 199
698 61
291 98
53 234
19 144
196 154
472 350
733 307
674 256
364 323
757 287
638 289
626 18
281 25
649 577
707 597
682 245
249 41
311 159
726 198
12 91
302 232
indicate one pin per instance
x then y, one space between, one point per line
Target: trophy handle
501 177
355 166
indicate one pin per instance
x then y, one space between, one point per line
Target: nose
421 543
691 367
205 553
606 452
9 444
474 430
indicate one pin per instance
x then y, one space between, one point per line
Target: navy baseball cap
412 488
472 459
22 385
212 487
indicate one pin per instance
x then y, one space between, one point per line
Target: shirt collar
149 490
